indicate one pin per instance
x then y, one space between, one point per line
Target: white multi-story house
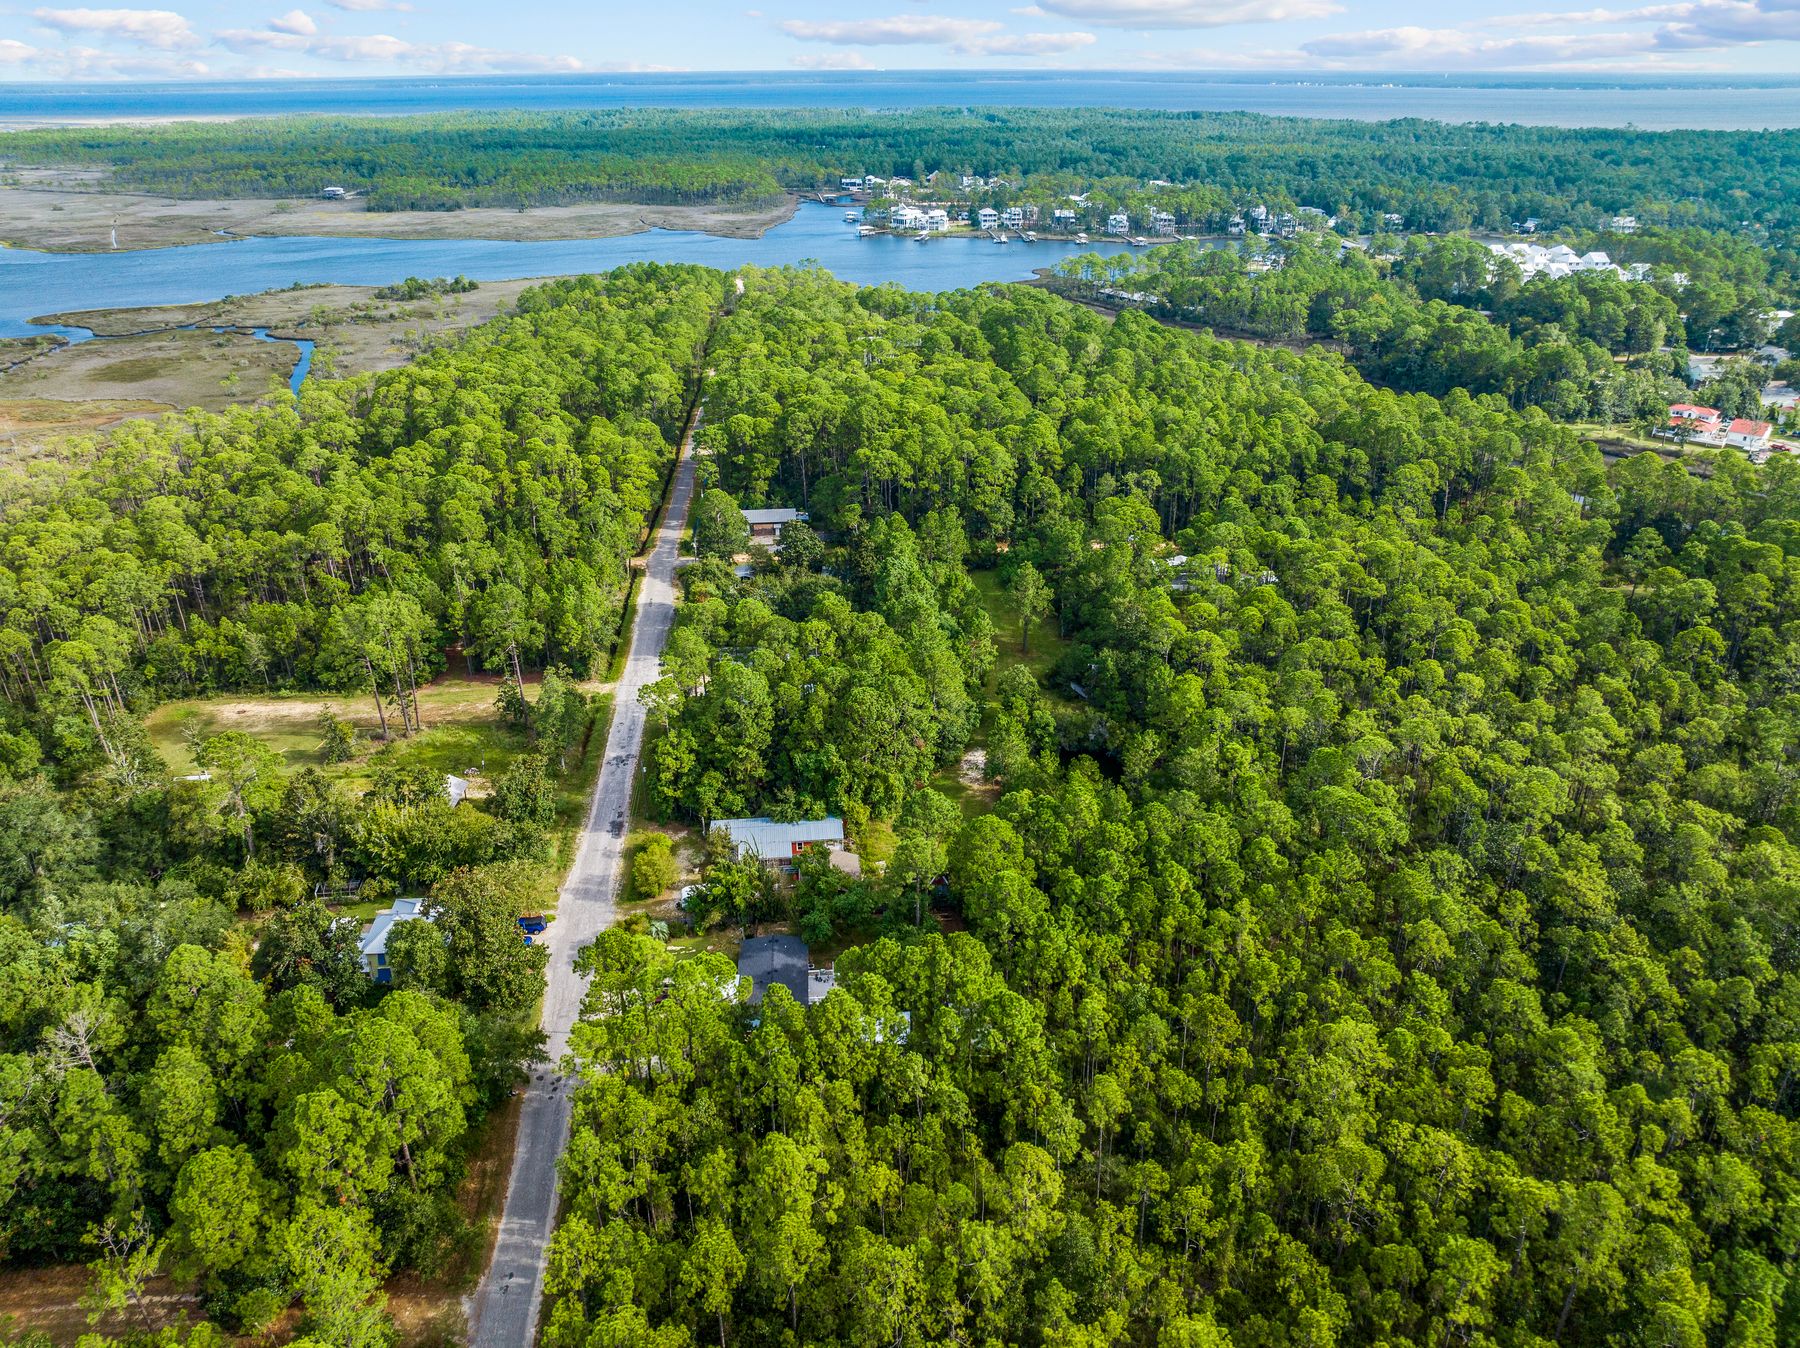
987 217
1118 223
937 219
1161 222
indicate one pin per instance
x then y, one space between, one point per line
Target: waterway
34 283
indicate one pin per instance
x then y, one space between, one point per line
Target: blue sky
245 38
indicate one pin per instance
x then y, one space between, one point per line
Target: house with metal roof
766 525
771 841
373 946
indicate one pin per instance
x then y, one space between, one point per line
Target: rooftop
780 515
767 838
375 939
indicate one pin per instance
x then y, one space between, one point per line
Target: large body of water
33 283
1714 102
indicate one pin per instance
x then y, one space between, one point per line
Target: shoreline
55 218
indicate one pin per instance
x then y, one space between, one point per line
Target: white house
987 217
937 220
1118 223
906 217
1624 224
1013 217
1163 223
1063 218
851 184
373 946
1748 435
768 840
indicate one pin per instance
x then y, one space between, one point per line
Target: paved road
506 1304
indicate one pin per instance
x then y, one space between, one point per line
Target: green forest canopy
1394 942
1438 176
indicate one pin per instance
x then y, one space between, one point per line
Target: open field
63 212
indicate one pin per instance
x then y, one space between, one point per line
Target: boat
999 238
1081 238
1140 241
851 217
922 235
866 231
1029 237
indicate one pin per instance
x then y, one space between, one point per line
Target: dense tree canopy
1396 946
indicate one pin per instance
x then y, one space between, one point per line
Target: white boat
922 235
999 238
1081 238
1029 237
1140 242
851 217
866 231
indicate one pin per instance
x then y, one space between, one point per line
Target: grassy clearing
1046 646
462 734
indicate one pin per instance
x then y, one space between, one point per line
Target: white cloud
832 60
1027 44
900 30
161 29
445 58
969 37
1187 13
369 6
296 21
16 53
1660 37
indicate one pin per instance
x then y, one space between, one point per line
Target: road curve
507 1302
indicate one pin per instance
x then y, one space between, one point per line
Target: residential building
777 842
1013 217
1063 218
937 220
771 960
1161 222
987 218
905 217
1235 226
1624 224
1118 223
766 525
373 946
1743 433
851 184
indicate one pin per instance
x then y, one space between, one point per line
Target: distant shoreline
60 220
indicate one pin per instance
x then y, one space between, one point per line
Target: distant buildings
1163 224
1118 223
1534 260
1624 224
987 218
937 220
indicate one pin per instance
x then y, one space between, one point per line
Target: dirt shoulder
64 220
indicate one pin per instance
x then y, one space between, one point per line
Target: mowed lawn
1046 646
